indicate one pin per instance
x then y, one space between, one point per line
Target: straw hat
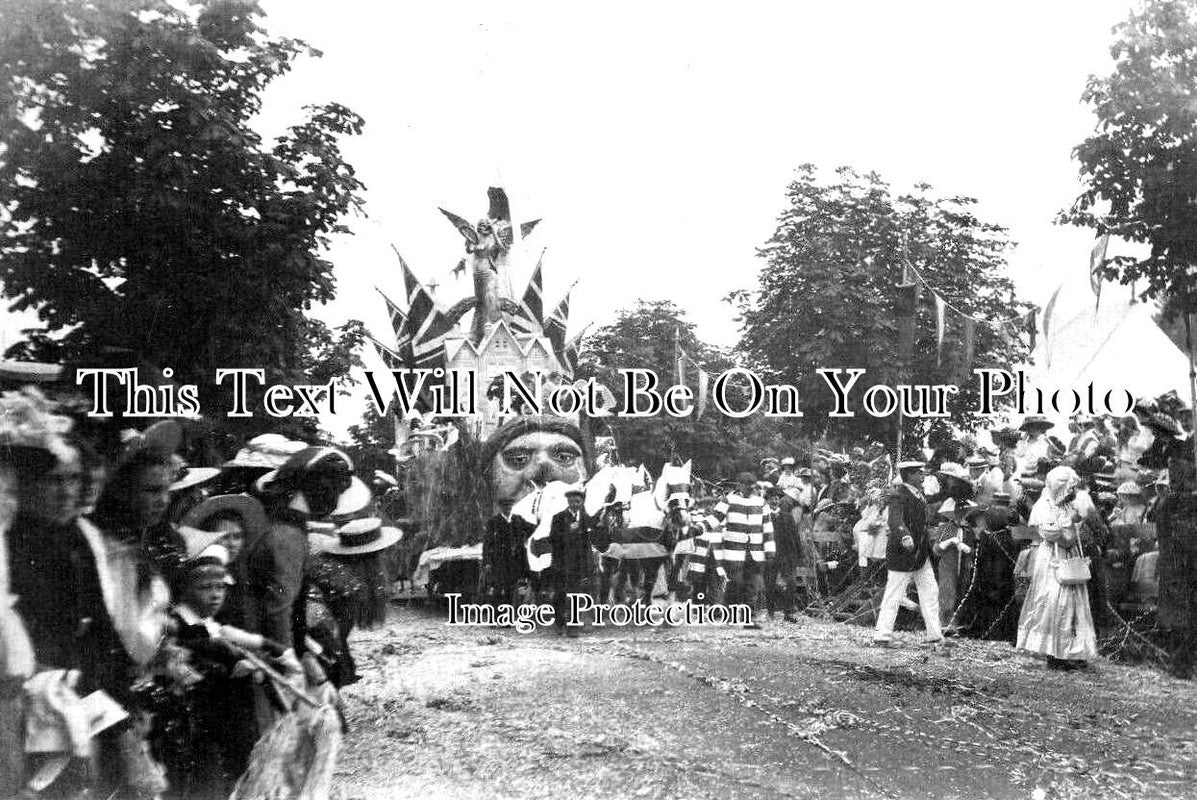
1037 422
953 470
363 536
187 477
353 500
248 510
196 542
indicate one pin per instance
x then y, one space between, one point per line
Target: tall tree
1139 169
1140 165
828 296
140 212
647 336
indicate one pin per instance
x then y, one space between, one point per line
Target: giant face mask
531 456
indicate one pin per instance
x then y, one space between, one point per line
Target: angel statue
487 247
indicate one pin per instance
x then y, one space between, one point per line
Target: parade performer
908 557
571 536
1056 620
705 572
504 562
747 541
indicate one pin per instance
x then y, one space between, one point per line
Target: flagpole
1192 381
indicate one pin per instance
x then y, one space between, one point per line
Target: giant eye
517 457
565 455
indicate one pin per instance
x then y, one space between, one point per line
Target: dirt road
790 711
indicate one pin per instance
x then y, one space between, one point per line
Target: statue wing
464 228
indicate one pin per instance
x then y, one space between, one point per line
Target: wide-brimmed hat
247 509
385 477
788 462
196 542
953 470
353 500
575 489
268 451
951 508
1036 421
187 477
910 464
363 536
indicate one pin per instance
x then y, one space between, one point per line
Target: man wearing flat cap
504 562
572 533
908 557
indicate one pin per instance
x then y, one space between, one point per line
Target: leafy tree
1139 169
141 213
1140 165
645 336
828 298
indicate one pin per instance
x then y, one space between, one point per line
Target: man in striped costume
747 541
704 570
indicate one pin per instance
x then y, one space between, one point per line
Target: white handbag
1072 571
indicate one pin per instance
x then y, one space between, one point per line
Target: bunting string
939 299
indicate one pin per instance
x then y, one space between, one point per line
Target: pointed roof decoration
428 335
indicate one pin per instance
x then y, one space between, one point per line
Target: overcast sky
656 139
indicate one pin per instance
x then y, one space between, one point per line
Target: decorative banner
1030 328
531 319
554 326
704 380
426 324
970 348
1097 258
394 312
389 357
907 308
940 305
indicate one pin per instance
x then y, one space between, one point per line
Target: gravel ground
791 711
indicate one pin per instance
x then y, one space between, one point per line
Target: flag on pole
1097 258
426 324
573 350
940 306
555 325
396 314
389 357
969 348
531 318
907 311
1048 311
704 382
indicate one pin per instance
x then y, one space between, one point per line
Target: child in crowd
206 734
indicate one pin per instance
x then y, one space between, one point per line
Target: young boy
206 744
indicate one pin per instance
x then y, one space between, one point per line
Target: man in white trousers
908 557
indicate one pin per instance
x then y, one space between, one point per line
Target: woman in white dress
1056 620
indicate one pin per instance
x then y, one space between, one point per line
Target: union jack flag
531 318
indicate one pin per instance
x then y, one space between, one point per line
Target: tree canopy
140 211
647 336
827 296
1140 165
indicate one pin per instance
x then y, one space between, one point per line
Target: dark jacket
907 514
570 547
274 566
53 573
503 549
